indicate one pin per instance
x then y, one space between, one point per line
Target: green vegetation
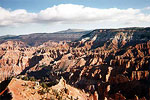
43 84
32 78
56 93
42 66
62 69
41 92
25 78
49 84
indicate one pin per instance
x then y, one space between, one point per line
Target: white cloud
147 8
15 17
73 14
78 13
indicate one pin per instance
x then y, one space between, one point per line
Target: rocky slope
31 90
115 38
107 64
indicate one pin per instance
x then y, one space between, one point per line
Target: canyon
102 64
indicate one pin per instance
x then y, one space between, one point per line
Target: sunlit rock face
31 90
107 64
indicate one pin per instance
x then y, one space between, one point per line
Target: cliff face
17 57
106 64
11 58
115 38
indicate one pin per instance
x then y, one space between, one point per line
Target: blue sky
37 5
31 16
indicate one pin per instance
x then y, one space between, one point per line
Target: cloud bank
71 14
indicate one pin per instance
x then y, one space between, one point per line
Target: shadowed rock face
107 64
114 38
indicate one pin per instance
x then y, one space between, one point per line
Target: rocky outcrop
106 64
31 90
71 91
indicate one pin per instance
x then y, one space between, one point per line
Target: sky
19 17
